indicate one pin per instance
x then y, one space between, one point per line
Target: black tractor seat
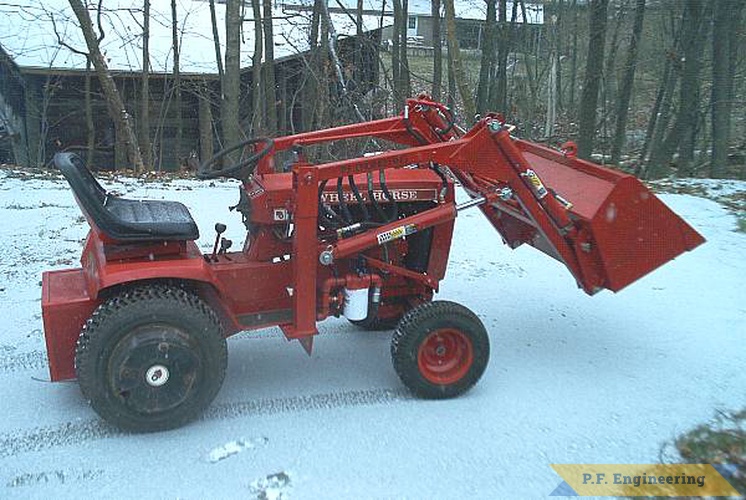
121 219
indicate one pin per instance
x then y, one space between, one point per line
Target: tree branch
63 43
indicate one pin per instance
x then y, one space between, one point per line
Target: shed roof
29 32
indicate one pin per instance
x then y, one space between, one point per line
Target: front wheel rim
445 356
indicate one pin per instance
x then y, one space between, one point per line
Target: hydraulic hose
360 201
371 196
346 215
394 207
332 216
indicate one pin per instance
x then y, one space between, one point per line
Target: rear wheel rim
445 356
154 369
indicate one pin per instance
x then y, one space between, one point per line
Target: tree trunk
125 132
359 62
177 87
559 47
593 70
655 114
216 39
552 81
257 103
90 130
147 156
270 95
487 64
311 87
323 104
574 59
682 134
437 50
232 75
331 42
458 69
498 99
451 97
625 91
724 51
396 56
206 150
609 75
404 85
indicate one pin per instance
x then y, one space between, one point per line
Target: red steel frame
258 287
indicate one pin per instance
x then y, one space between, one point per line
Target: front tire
151 358
440 350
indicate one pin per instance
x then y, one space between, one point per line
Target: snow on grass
572 379
728 192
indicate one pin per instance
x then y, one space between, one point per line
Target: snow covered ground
572 379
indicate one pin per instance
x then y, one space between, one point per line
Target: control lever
220 229
225 244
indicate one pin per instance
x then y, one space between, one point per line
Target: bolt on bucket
622 230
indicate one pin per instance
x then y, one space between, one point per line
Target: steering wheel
207 169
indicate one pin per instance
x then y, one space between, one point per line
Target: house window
412 23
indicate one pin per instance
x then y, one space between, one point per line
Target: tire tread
95 327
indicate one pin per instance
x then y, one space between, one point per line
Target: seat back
121 219
90 195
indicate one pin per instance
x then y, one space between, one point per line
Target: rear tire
440 350
151 358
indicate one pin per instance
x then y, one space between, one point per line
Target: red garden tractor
143 322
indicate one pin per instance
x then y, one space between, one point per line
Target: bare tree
177 84
232 75
216 39
619 15
437 50
88 104
487 64
311 84
257 106
559 47
552 82
405 81
498 97
593 70
681 136
625 91
145 88
454 54
726 19
660 114
359 34
396 55
270 95
574 52
125 131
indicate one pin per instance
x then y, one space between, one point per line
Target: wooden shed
50 100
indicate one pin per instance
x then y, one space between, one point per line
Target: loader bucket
625 231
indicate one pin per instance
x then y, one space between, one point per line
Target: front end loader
142 324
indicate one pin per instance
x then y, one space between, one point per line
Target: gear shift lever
220 229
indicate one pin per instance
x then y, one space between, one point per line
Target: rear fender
70 296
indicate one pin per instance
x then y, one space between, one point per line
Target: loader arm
606 227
